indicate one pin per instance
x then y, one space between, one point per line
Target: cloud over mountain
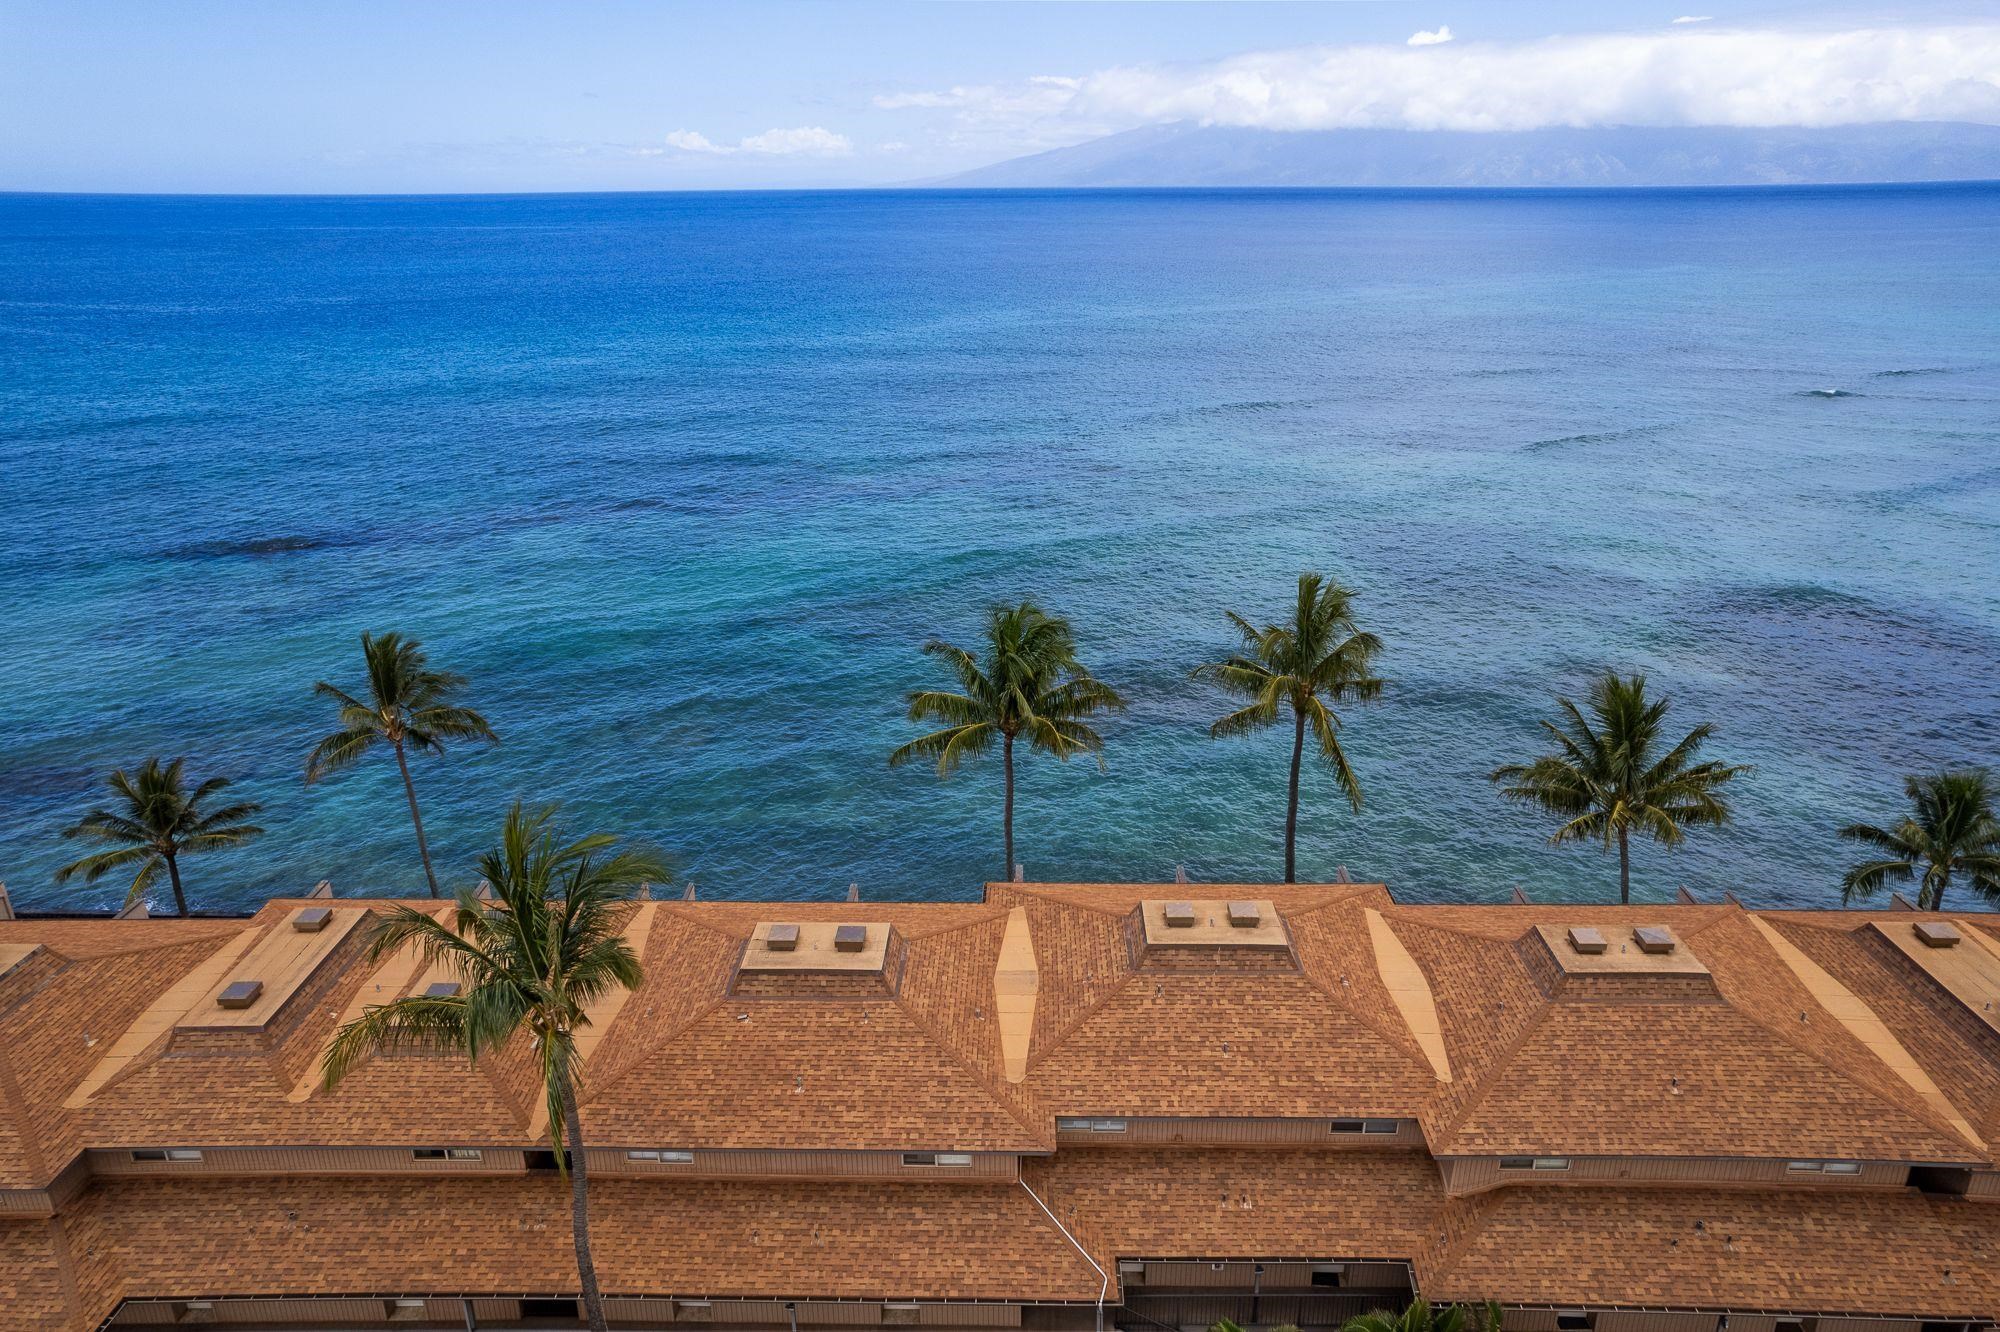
1688 73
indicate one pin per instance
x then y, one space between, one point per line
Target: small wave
1905 374
1828 393
1595 437
1506 372
252 546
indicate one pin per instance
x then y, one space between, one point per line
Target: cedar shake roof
1220 1204
1875 1253
168 1238
1745 1062
1538 1065
1222 1038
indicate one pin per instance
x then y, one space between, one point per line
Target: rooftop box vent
240 994
850 938
1653 939
782 938
441 990
311 920
1936 933
1584 939
1245 915
1179 915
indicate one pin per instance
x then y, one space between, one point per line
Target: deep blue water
683 481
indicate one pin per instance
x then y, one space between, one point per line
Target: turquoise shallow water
683 481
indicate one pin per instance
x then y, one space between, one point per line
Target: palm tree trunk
1624 868
1937 893
579 1204
1007 816
1292 803
410 790
174 877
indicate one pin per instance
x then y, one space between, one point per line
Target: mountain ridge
1189 155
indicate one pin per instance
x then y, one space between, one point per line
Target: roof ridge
1490 1074
1089 1010
991 1088
666 1037
1402 1041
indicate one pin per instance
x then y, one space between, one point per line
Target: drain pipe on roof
1103 1289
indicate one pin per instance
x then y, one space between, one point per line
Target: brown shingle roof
1883 1253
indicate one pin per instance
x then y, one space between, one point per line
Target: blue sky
240 97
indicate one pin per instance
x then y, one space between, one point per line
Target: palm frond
417 1022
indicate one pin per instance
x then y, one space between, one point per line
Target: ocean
682 482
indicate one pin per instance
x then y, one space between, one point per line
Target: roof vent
1245 915
311 920
1936 933
1653 939
240 994
1179 915
850 938
1584 939
441 990
782 938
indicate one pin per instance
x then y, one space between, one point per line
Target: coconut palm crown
1421 1317
1306 664
409 706
1614 774
158 821
1951 831
534 957
1029 687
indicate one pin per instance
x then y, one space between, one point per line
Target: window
166 1154
954 1158
1572 1322
1379 1126
642 1156
447 1154
1517 1163
1552 1163
1534 1163
1824 1167
937 1158
1327 1276
920 1158
1107 1126
662 1156
1346 1125
1085 1124
1073 1124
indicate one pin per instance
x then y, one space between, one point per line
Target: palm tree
1420 1317
1609 777
1030 687
161 822
537 955
410 707
1315 659
1952 830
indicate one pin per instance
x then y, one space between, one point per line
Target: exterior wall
1475 1174
986 1167
1143 1131
306 1161
1985 1185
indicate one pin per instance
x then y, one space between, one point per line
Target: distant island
1187 154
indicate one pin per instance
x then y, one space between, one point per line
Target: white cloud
1677 75
1695 18
690 142
806 141
1437 37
